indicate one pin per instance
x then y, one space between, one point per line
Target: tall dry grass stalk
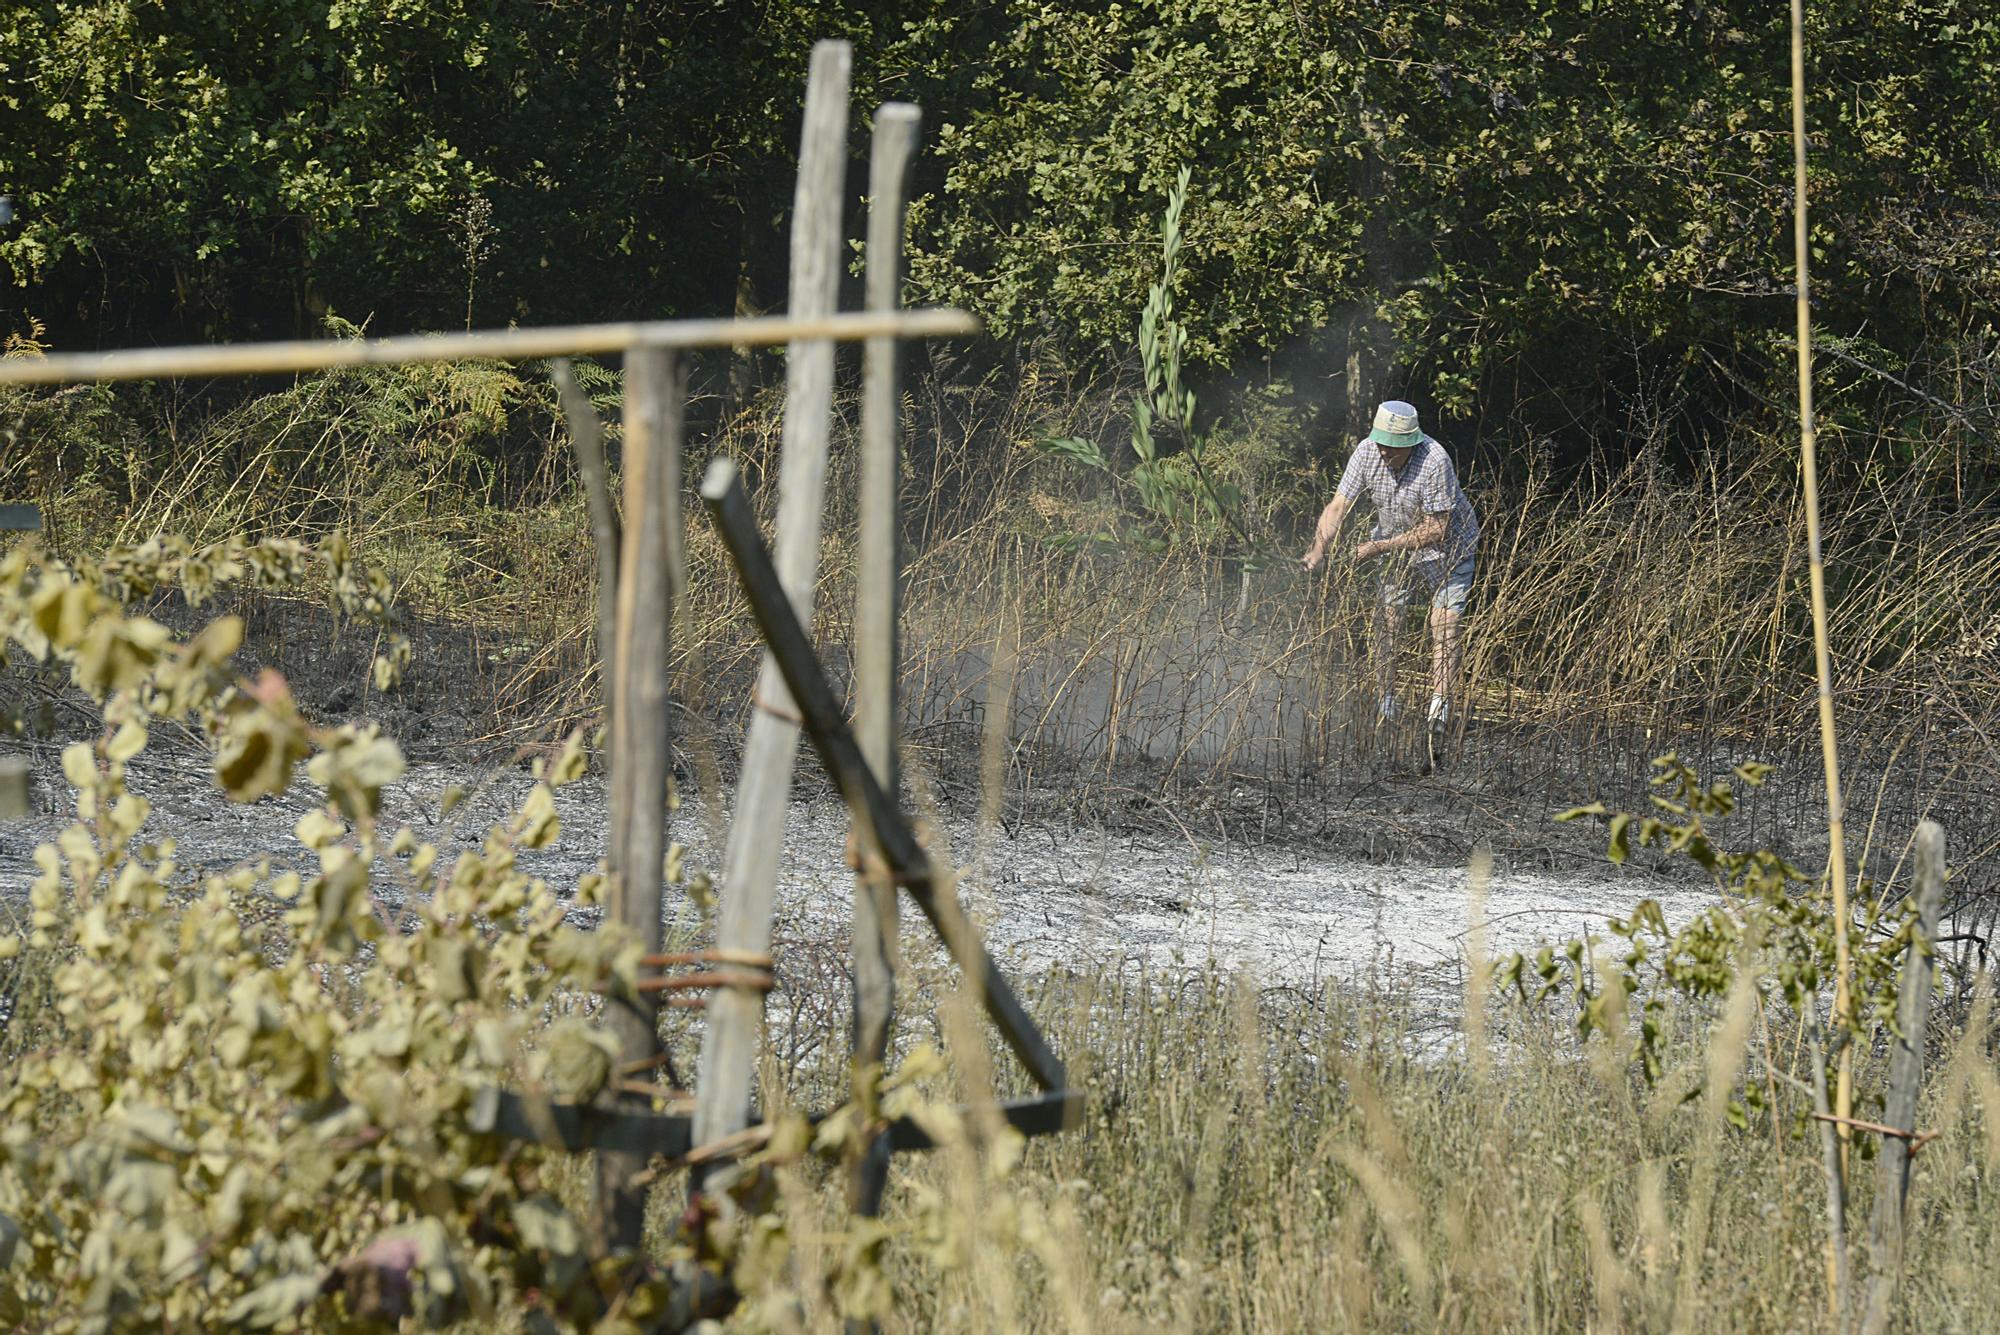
1478 965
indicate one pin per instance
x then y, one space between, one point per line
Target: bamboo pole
495 344
756 836
1906 1074
1836 820
876 645
654 399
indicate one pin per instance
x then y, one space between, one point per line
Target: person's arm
1335 514
1427 532
1330 520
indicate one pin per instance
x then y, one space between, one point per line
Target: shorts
1448 594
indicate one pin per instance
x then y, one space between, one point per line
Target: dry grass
1631 600
1258 1160
1279 1161
1617 614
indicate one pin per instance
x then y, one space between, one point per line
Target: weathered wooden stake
756 836
1906 1073
640 750
877 657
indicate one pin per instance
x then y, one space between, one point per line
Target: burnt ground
1054 886
1346 867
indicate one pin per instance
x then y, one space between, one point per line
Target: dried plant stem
1836 830
587 436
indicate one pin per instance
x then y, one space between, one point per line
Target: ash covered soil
1360 884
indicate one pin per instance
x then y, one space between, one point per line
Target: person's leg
1385 652
1447 612
1444 651
1388 611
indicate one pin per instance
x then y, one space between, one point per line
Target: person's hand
1312 557
1368 551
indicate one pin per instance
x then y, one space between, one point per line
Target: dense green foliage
236 168
1525 211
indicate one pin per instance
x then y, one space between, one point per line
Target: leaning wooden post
1906 1073
640 739
764 787
876 645
934 889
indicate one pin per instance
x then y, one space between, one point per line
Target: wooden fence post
640 740
877 657
1906 1074
763 793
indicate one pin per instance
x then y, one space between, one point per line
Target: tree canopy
1535 195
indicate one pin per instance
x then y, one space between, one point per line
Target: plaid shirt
1427 485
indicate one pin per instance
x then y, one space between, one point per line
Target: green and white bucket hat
1396 426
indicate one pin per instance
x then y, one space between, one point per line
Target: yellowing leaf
576 1060
571 764
128 741
316 830
539 825
62 610
117 653
354 768
545 1226
275 1303
261 747
79 764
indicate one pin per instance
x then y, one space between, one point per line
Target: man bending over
1424 523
